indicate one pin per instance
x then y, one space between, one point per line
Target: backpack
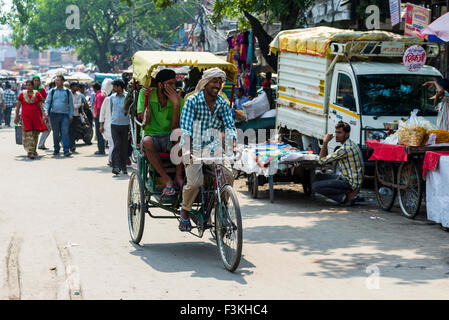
52 93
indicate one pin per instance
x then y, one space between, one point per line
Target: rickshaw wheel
410 198
386 171
136 208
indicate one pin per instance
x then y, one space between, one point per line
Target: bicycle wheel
410 197
136 208
385 195
228 228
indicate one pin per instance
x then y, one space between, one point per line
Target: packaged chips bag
413 131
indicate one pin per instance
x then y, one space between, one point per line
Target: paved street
64 235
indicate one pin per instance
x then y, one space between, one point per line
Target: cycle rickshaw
216 207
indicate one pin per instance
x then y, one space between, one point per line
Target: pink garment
99 98
439 28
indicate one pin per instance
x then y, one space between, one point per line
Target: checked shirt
198 122
350 160
10 98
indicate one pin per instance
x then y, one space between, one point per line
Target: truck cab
368 94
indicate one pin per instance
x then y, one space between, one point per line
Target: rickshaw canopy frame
145 62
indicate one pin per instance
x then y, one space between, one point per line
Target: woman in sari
38 87
31 103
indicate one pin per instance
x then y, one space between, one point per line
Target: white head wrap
106 86
208 75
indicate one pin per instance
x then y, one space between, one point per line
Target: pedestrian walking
119 128
105 117
99 98
59 108
10 101
2 105
31 103
45 134
76 122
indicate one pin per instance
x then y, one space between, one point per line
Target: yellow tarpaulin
314 41
144 62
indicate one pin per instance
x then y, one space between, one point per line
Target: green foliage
42 24
288 12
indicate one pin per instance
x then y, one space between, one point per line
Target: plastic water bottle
384 191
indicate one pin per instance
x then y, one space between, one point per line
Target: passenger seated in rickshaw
162 116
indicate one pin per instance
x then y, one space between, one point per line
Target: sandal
184 225
168 192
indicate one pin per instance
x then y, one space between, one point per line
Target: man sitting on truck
342 187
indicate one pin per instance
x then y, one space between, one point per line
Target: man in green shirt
161 116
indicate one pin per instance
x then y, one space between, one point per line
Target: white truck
363 83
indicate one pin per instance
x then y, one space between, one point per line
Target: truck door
343 106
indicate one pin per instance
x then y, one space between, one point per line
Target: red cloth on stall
431 160
387 152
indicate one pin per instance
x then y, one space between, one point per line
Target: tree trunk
288 21
264 40
102 61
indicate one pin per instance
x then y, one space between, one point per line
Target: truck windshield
396 94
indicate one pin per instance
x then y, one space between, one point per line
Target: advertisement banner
395 12
416 19
414 58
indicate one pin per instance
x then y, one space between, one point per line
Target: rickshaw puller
204 111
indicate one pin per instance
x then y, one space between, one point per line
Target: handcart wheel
136 208
386 195
271 185
410 197
253 185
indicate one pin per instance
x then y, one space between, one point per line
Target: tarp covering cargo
144 62
315 41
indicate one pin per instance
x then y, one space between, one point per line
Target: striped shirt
350 160
198 122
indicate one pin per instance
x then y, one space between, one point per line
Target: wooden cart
401 176
301 171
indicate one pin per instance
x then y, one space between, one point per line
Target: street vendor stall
436 171
277 163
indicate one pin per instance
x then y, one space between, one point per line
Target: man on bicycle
204 112
162 116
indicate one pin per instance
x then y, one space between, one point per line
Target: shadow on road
201 258
410 251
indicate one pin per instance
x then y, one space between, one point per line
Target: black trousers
120 152
331 186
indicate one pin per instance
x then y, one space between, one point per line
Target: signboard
395 12
416 19
414 58
393 48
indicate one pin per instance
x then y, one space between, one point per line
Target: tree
290 13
